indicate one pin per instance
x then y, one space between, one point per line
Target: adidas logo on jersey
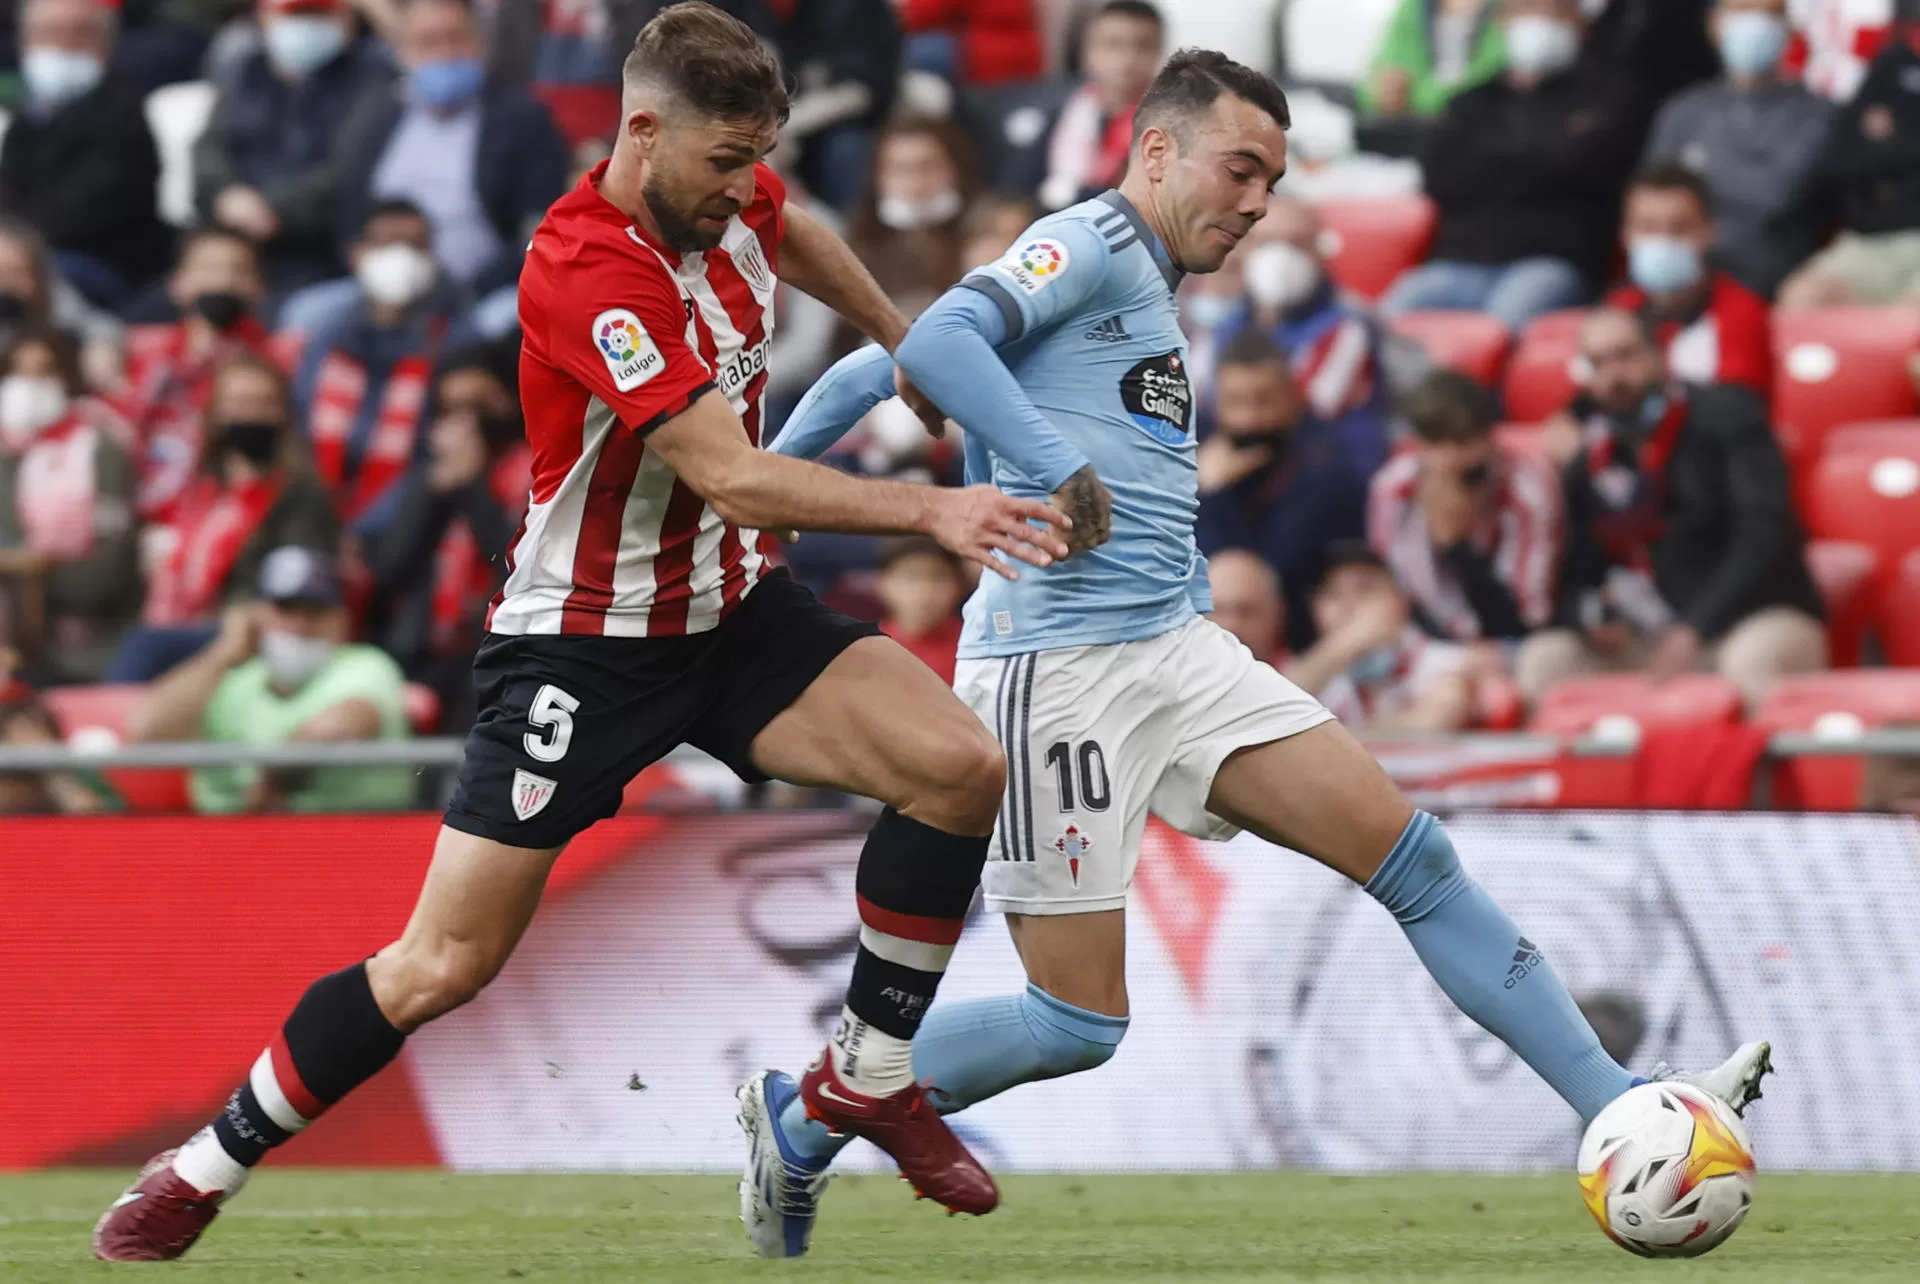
1112 330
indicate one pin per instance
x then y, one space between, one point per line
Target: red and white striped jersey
619 334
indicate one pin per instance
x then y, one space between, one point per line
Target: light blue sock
979 1049
1491 972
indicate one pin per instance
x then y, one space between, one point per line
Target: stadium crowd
1490 399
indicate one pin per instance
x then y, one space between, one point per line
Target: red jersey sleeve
617 322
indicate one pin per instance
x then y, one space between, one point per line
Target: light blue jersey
1093 339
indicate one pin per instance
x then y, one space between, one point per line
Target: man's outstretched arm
815 261
708 448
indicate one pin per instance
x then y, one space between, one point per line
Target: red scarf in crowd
338 394
57 490
463 579
166 400
1633 495
214 523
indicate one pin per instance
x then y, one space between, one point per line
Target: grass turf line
329 1225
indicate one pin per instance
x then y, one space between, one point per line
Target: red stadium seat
1470 342
1368 244
1573 707
1845 572
1870 497
102 712
1542 372
423 708
1899 615
1836 704
1840 366
1897 435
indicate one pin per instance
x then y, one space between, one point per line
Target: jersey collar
1161 258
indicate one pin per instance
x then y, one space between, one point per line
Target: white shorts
1098 736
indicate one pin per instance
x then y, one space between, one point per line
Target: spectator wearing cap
1332 347
217 287
921 589
1870 163
439 561
266 165
79 161
1527 171
1272 479
281 671
1473 532
252 491
481 159
66 506
1714 329
1430 51
1121 48
362 383
1371 665
1754 137
1683 550
1247 603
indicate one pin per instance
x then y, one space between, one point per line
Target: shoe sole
752 1097
1749 1088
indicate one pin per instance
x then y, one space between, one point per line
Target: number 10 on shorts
1086 763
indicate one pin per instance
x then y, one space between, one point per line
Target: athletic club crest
1073 845
531 793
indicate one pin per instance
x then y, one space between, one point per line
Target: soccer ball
1667 1170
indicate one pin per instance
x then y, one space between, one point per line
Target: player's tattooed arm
1086 499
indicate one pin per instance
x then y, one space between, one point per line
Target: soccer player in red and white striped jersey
643 611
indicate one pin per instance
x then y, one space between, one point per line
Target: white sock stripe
266 1090
918 955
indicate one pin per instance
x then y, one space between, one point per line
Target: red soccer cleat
906 1126
157 1219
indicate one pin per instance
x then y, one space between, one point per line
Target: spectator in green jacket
1433 49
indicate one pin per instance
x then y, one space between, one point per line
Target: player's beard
680 231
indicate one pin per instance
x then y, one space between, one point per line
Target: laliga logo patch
1036 265
531 793
630 353
1073 845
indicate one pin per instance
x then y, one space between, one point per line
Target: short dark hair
1351 554
1194 78
1251 347
710 60
391 207
898 547
1447 406
62 343
1672 176
1128 9
213 232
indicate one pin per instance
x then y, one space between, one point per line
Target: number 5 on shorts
552 714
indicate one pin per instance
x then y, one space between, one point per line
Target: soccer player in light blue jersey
1110 691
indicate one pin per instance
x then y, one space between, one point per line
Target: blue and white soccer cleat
780 1191
1735 1081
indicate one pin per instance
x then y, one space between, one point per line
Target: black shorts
567 720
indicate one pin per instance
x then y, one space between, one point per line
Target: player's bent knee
415 983
966 775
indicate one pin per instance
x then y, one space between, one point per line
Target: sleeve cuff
674 409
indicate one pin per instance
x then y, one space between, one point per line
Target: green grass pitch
350 1227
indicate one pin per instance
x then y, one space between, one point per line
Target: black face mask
223 309
13 308
255 441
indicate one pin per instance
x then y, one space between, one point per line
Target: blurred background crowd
1579 339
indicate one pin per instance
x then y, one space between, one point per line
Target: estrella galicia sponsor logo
1155 392
739 372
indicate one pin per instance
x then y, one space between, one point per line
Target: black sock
335 1040
915 885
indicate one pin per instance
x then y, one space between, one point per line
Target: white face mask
1281 275
904 215
395 275
30 404
1211 311
293 659
1539 46
56 77
300 44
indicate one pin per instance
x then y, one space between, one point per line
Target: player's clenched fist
977 521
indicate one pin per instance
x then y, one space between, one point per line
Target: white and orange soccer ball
1667 1170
